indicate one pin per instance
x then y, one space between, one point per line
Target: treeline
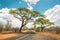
26 16
53 29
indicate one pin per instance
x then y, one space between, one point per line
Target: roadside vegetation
25 16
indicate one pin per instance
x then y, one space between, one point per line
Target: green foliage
34 27
42 28
38 29
31 28
42 21
13 11
43 16
34 13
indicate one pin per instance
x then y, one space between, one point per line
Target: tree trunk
20 29
42 28
21 24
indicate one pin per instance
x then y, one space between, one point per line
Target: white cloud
53 14
31 2
16 22
2 21
4 10
29 25
4 16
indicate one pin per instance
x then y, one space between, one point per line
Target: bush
57 30
15 29
37 29
54 29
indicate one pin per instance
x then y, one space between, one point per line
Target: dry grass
4 36
8 34
57 36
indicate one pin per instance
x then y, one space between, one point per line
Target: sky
41 5
50 8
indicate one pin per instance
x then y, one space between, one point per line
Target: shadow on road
29 32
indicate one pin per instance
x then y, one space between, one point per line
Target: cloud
16 22
2 21
53 14
29 25
30 3
4 10
4 16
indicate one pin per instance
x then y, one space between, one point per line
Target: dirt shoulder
4 36
57 36
8 34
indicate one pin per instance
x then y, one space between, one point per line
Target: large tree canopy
25 15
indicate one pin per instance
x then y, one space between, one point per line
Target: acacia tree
43 22
24 15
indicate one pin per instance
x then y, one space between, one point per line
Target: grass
57 36
4 36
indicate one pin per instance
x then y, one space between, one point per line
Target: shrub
15 29
37 29
57 30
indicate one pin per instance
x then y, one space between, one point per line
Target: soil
57 36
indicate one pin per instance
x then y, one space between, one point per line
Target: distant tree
25 15
1 27
8 26
42 22
56 29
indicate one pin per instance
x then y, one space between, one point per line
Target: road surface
31 36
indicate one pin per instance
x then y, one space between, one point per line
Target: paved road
31 36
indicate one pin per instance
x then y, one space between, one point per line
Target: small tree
42 22
38 29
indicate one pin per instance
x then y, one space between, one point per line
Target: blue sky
41 6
